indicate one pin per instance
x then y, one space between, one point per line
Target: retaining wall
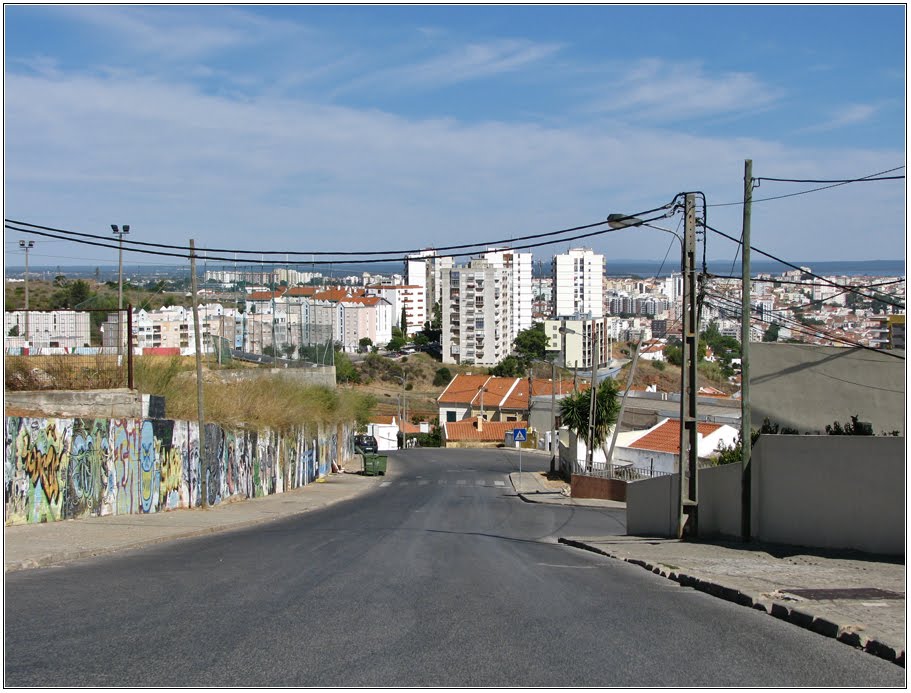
65 468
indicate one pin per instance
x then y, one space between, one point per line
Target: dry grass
64 372
276 403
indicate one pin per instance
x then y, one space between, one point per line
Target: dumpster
374 464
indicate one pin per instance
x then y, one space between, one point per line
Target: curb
845 634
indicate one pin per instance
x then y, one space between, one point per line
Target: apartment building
578 284
521 289
55 328
408 298
573 337
425 269
477 313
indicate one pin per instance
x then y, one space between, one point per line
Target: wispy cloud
852 114
463 63
179 33
659 91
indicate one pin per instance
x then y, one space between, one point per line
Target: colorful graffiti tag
61 468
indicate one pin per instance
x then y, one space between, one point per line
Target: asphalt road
439 577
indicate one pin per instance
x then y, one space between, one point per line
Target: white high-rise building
424 269
521 294
578 283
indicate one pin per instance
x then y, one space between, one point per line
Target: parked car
365 443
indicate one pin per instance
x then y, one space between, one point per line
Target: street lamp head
622 221
116 229
126 228
26 244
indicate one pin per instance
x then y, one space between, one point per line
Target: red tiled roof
383 420
491 431
666 437
462 389
302 291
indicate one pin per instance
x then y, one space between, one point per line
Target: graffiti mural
62 468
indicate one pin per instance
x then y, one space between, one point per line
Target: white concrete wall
842 492
651 507
719 500
386 436
830 491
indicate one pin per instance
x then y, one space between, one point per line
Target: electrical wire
115 246
478 246
872 176
800 269
735 309
843 180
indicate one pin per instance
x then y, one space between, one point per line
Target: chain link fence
68 350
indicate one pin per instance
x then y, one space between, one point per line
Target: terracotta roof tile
462 389
491 431
666 437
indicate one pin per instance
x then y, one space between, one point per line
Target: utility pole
590 453
629 383
199 400
554 448
687 515
745 423
120 234
26 246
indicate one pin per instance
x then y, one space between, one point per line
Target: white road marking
499 483
461 482
480 482
385 483
423 482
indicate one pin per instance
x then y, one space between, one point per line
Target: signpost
519 435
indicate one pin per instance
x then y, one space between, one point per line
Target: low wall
116 403
316 375
651 506
839 492
65 468
596 487
830 491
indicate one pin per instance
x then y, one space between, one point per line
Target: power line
479 246
811 180
807 330
801 269
872 176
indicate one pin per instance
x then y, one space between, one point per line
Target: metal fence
68 350
621 472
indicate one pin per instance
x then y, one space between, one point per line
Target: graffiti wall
57 469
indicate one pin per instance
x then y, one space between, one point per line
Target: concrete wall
806 387
315 375
830 491
844 492
117 403
64 468
719 501
651 507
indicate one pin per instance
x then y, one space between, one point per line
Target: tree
575 410
396 343
345 371
365 343
14 331
79 292
531 343
442 377
771 333
510 367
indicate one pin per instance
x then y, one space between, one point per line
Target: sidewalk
534 487
35 546
856 598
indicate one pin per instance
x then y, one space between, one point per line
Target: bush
442 377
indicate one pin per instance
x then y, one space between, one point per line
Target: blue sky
382 128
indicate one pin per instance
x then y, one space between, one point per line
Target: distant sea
615 268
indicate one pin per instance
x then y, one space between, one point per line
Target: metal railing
617 471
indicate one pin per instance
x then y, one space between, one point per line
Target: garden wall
64 468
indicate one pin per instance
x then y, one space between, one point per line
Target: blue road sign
519 435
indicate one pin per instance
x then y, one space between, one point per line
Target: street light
26 246
687 505
120 234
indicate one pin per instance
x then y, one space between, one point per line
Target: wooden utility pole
745 422
204 482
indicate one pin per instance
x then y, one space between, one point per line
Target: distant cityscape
478 307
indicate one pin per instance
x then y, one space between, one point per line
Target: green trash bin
374 464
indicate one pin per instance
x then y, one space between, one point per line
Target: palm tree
575 409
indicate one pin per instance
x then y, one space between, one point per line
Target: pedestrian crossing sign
519 435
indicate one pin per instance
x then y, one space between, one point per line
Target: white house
658 448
